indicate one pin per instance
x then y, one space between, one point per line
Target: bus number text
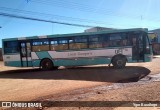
119 51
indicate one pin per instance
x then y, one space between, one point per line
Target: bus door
138 48
25 53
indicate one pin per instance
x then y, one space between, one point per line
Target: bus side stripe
42 55
34 56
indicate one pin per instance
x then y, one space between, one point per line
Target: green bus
116 47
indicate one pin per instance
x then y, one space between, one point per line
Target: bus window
53 44
70 40
124 42
28 45
63 41
125 39
115 37
115 40
59 44
23 49
134 40
147 45
11 47
93 39
105 40
95 42
81 39
40 45
95 45
79 43
62 44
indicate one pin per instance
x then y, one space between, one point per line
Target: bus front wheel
119 61
46 64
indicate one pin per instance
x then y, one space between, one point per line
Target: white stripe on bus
15 57
89 53
34 56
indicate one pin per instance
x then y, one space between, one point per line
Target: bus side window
105 40
54 44
40 45
11 47
28 49
134 41
62 44
95 41
115 40
124 42
23 49
79 42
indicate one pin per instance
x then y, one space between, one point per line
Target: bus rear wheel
46 64
119 61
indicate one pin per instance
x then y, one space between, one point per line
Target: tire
46 64
119 61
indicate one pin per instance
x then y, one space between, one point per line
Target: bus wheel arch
46 64
119 61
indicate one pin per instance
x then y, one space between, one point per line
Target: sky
120 14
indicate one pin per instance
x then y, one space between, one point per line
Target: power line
57 16
84 8
42 20
22 5
62 17
51 15
88 8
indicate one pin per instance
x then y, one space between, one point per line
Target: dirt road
24 85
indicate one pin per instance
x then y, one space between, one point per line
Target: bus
155 44
116 47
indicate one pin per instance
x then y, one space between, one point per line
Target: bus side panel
13 63
12 60
129 59
88 57
43 54
75 58
148 57
81 61
26 62
86 61
38 56
35 59
36 63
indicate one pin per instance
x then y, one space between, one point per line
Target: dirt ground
149 92
69 83
29 84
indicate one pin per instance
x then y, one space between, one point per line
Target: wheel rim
46 65
119 62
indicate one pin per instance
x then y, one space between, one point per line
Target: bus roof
77 34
